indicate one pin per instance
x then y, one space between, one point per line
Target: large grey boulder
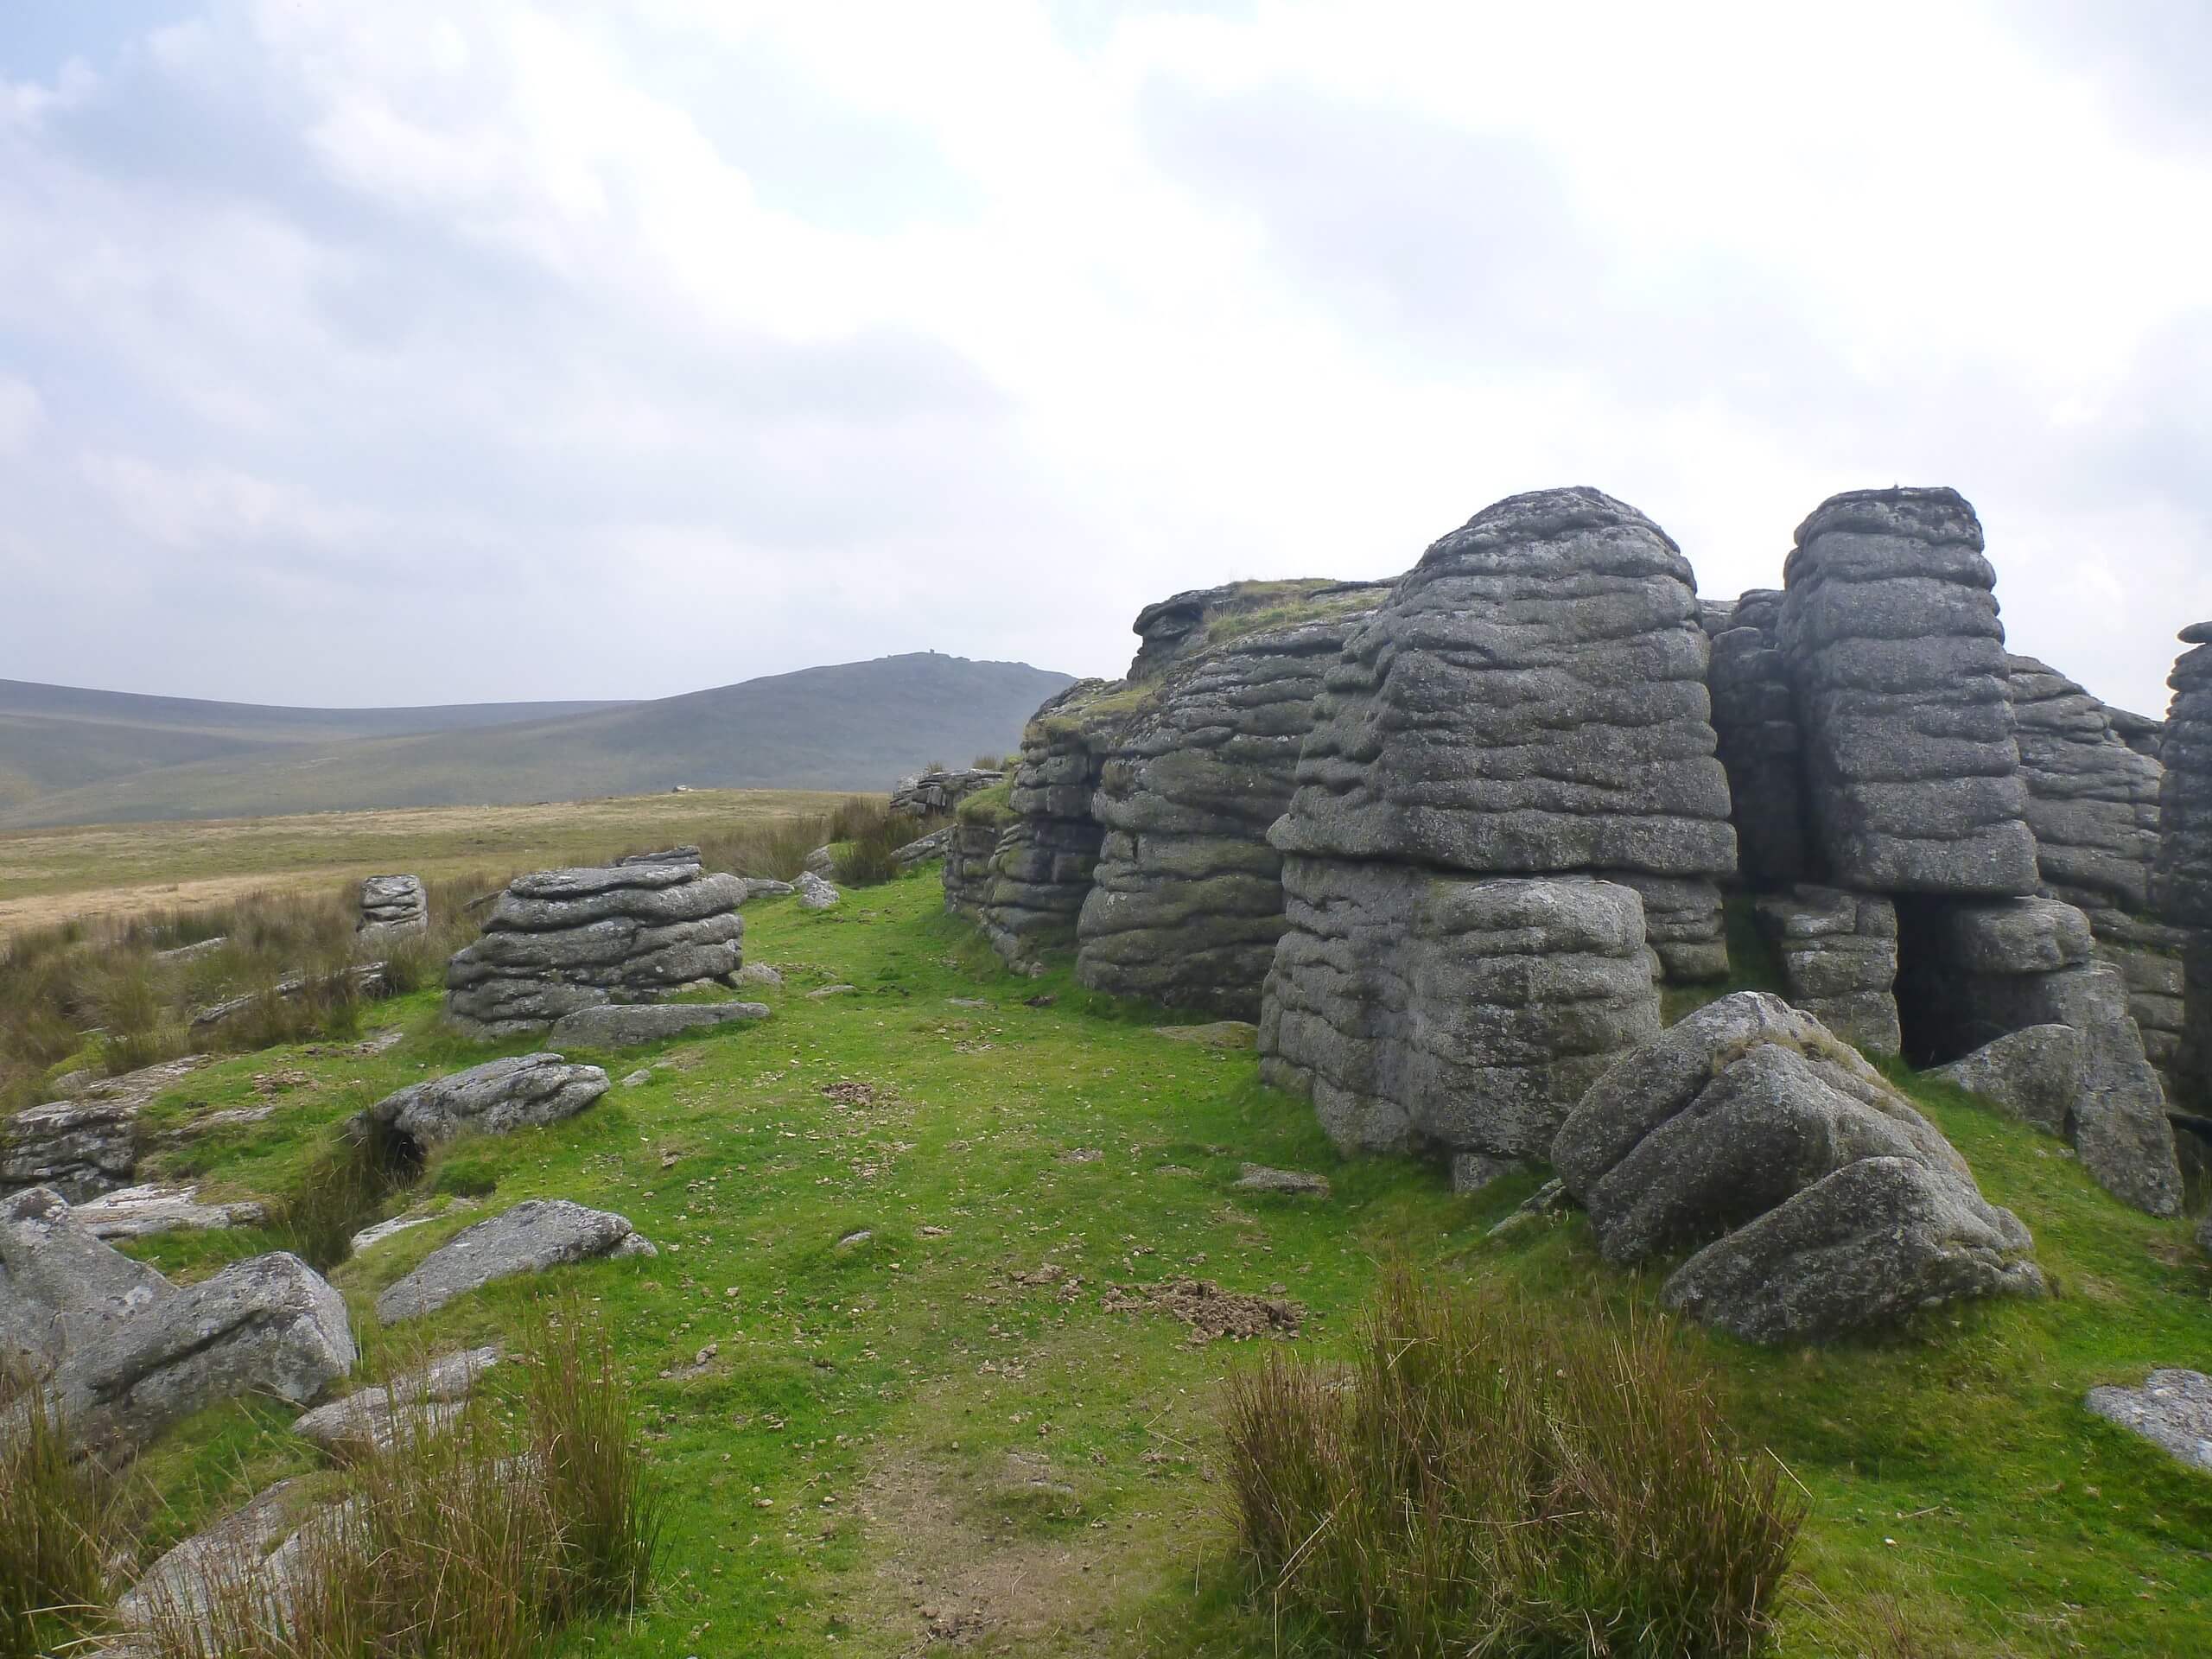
1839 956
1186 899
523 1091
2033 1074
536 1234
937 793
269 1325
1530 698
626 1024
1418 1011
561 940
1863 1246
174 1594
392 907
814 893
1817 1200
2172 1410
61 1289
1889 621
1039 870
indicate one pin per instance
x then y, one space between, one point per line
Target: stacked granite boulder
2183 876
1186 899
559 941
1816 1200
937 793
1426 1012
1912 772
2093 804
1755 717
1515 739
1040 865
392 907
1838 952
977 823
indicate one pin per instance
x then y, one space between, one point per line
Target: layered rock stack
1755 716
2183 874
937 793
1529 703
1040 871
1839 956
2093 804
559 941
392 907
1423 1011
1186 902
1912 772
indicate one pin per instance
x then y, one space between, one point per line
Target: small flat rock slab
141 1211
2172 1410
1549 1199
426 1400
814 892
759 973
1221 1033
831 990
176 1587
1297 1183
762 886
638 1079
619 1024
536 1234
370 1236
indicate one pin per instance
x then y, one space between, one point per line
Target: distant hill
63 737
853 726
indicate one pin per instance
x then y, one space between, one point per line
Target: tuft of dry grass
58 1523
482 1538
1507 1478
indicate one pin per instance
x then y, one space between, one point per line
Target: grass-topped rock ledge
939 1352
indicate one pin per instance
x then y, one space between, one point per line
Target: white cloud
884 327
22 413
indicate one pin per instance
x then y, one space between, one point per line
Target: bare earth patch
1210 1312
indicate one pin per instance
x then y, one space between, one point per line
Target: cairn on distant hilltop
559 941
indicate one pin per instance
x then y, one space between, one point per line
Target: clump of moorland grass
57 1525
1506 1478
775 849
482 1539
868 836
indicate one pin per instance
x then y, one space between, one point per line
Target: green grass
895 1433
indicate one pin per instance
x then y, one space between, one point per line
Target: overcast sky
399 353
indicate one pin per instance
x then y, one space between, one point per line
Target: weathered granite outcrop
1979 970
536 1234
1530 699
392 907
142 1211
269 1325
1755 718
1817 1201
1186 901
1839 956
683 855
2183 882
977 823
86 1144
938 794
498 1098
2092 802
1426 1012
561 940
624 1026
1912 771
1040 867
426 1400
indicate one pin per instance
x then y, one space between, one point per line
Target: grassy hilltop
912 1374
